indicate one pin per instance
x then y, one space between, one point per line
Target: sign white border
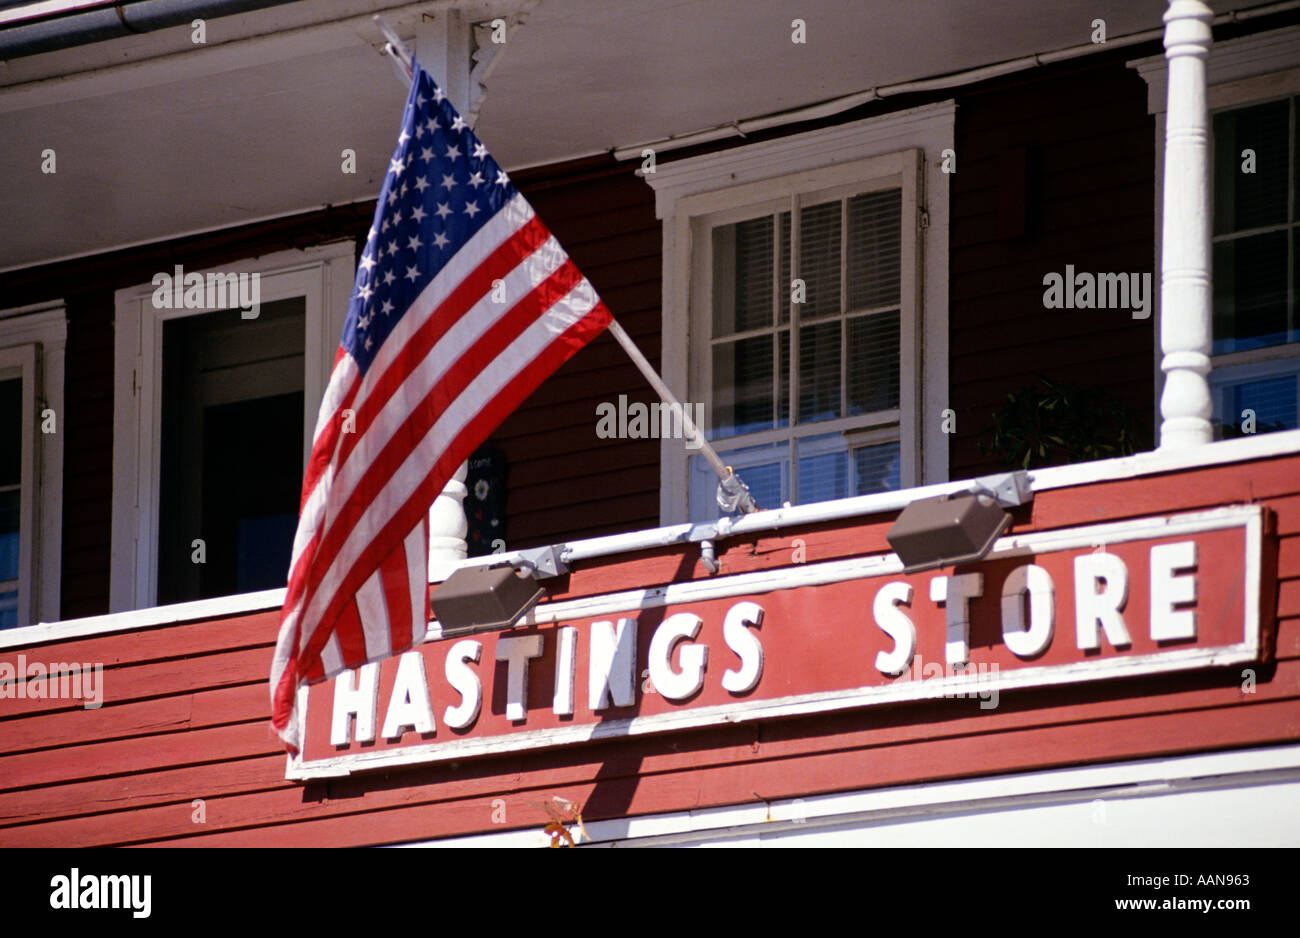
1250 518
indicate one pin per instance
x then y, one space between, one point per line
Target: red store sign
1104 601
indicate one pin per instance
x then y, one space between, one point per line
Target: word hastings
180 290
1098 291
76 891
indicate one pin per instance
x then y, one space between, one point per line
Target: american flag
463 304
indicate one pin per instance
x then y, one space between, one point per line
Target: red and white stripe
454 367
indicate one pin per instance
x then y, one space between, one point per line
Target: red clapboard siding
192 723
1090 191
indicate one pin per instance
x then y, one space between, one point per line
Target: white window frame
693 195
323 276
1241 72
33 341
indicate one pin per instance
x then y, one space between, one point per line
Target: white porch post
1186 294
442 44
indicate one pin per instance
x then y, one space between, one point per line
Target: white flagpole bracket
396 50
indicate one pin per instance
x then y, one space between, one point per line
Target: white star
472 209
480 151
442 211
397 218
386 308
402 191
418 213
369 342
392 196
415 243
458 123
370 236
420 99
502 179
426 154
403 136
410 157
388 276
412 274
476 180
364 322
448 181
438 95
365 293
367 262
392 246
421 183
430 125
395 166
453 152
440 240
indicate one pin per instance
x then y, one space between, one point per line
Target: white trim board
1107 782
1248 650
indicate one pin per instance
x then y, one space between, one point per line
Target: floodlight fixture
477 598
960 527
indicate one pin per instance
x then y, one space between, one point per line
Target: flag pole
733 494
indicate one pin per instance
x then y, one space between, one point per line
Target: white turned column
447 528
1185 290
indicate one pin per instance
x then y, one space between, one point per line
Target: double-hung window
31 465
1256 335
797 308
1253 95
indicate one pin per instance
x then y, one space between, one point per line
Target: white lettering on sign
1025 640
895 623
1092 606
465 682
1169 587
736 633
613 664
516 651
409 706
566 657
955 593
678 685
356 693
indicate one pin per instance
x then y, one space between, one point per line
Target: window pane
877 468
9 510
8 609
819 372
873 363
823 468
819 258
1245 200
783 394
231 387
765 469
1250 296
874 248
11 431
742 276
742 386
1272 399
783 301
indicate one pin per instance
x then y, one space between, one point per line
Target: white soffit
156 137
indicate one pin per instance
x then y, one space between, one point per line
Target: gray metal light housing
961 527
481 599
